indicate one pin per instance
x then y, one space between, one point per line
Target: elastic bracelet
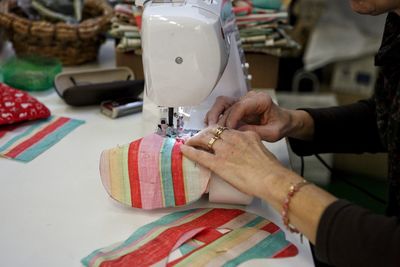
285 206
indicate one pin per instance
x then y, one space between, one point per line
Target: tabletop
54 209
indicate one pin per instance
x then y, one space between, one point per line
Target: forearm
344 129
306 206
344 234
349 235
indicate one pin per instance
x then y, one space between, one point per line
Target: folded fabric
25 141
152 173
198 237
17 106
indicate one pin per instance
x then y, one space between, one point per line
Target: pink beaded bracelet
285 206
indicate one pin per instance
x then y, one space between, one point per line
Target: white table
55 211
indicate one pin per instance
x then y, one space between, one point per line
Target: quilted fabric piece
198 237
17 106
152 173
25 141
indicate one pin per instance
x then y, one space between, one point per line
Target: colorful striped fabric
152 173
26 141
198 237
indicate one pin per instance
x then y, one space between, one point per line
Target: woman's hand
257 112
238 157
242 160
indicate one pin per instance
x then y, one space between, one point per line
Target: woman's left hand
242 160
238 157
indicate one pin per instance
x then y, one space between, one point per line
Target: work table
55 211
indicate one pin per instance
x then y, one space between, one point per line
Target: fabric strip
289 251
245 240
38 136
196 179
198 233
267 248
49 141
141 237
23 133
116 174
210 252
136 198
26 141
207 253
105 170
149 174
177 175
169 237
166 169
125 175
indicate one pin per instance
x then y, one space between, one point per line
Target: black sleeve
349 235
344 129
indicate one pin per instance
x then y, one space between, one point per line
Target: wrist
276 184
301 125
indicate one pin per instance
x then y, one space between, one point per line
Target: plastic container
31 73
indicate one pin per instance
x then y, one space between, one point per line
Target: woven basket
73 44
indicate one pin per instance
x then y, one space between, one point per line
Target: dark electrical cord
302 166
361 189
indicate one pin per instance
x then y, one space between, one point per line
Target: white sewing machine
192 55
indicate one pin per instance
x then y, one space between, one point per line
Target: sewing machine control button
179 60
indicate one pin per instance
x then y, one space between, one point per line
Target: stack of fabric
126 26
264 26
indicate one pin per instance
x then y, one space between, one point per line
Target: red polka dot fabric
17 106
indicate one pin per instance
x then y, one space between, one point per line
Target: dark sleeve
344 129
349 235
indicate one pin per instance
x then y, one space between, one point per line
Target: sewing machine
192 55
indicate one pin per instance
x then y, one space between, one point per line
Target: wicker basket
73 44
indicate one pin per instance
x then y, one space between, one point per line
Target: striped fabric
26 141
152 173
198 237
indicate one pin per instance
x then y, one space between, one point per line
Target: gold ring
220 130
212 141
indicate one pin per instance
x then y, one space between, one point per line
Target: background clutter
71 42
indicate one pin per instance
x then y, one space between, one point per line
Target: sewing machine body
191 55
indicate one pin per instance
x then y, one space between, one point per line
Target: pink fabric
149 166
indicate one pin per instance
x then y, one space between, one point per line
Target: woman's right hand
257 112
